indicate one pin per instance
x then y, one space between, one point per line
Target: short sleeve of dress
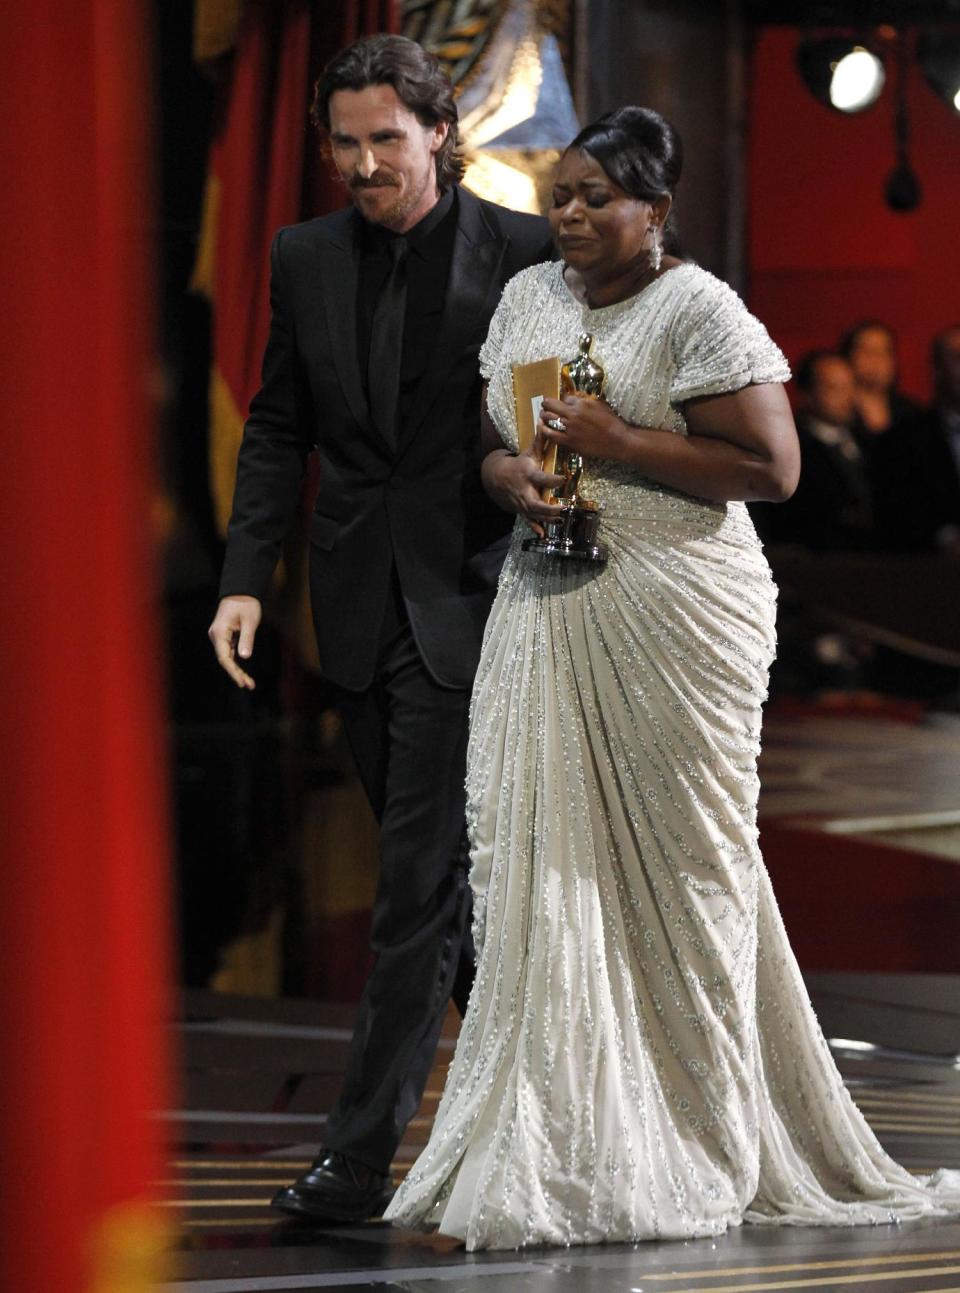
718 345
492 348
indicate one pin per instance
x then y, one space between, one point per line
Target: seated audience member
832 509
871 350
940 443
916 466
886 424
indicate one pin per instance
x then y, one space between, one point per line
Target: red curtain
84 900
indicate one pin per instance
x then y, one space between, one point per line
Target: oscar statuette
572 534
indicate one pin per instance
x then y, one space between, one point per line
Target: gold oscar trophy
573 533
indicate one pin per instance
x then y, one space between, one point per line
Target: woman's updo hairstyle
637 148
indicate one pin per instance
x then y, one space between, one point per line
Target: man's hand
516 483
232 633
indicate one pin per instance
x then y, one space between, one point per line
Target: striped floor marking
829 1281
840 1263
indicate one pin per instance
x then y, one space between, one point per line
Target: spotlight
938 53
841 72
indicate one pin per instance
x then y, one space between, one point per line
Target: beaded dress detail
639 1058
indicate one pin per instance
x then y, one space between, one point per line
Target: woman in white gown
639 1058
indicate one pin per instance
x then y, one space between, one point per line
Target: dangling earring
656 250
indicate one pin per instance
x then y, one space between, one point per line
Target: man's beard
395 214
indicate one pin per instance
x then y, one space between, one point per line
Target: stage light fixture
841 72
938 53
903 191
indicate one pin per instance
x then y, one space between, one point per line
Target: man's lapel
473 289
337 253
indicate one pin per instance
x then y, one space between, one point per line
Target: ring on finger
555 424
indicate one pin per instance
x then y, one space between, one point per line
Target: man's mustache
374 181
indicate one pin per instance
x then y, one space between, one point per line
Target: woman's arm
514 480
739 446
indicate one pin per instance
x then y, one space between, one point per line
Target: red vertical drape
83 911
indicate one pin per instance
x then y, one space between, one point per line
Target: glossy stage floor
258 1074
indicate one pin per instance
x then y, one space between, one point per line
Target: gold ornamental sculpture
510 63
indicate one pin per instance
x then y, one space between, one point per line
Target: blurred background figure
887 426
832 509
871 350
940 442
915 464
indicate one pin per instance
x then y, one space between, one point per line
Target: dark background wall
682 57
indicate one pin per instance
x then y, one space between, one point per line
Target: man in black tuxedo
378 314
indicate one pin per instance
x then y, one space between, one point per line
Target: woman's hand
742 445
589 427
516 483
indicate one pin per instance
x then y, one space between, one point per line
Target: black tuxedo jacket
917 483
832 509
417 505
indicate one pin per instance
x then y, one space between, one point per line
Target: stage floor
258 1071
258 1074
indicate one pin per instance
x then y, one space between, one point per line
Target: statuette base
571 535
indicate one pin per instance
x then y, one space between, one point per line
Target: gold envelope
531 383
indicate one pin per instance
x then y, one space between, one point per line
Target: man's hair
418 79
805 373
938 346
849 339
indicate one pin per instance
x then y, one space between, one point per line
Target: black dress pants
409 739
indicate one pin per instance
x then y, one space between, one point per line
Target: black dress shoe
336 1188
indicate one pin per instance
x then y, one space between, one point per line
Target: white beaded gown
639 1058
